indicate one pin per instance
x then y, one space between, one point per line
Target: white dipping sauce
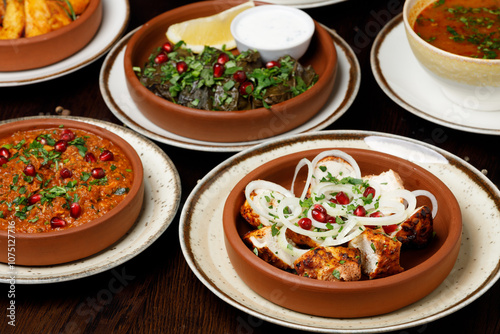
273 28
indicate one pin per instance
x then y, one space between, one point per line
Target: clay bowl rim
463 59
131 78
420 270
129 151
92 7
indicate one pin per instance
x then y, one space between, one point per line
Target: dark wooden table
161 294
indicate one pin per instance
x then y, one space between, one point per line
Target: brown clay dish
43 50
55 247
232 126
425 268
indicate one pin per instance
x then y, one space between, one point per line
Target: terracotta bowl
473 83
233 126
425 268
49 248
35 52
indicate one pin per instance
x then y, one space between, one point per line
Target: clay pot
232 126
49 248
35 52
424 268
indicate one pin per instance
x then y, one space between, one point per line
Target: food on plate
29 18
330 264
464 27
343 226
211 30
218 80
59 178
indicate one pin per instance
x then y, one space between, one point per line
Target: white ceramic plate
114 21
162 189
304 3
475 271
403 79
115 93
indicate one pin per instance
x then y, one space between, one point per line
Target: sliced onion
338 154
263 185
431 197
292 250
302 163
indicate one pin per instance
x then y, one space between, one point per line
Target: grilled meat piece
268 248
330 264
416 231
379 253
301 240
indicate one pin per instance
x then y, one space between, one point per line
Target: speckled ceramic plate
162 189
114 21
403 79
475 271
115 93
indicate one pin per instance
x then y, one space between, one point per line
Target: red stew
59 178
464 27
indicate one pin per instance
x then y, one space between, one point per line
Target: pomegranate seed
376 214
218 70
342 199
320 208
161 58
318 215
360 211
3 160
34 199
181 67
239 76
331 220
106 155
167 47
61 146
272 63
4 152
305 223
57 222
369 191
98 173
42 140
65 173
89 157
390 228
246 88
75 210
223 58
67 135
29 170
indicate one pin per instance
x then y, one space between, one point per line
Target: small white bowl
273 30
472 83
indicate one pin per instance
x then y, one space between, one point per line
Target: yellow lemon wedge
210 30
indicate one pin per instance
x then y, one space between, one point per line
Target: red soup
59 178
464 27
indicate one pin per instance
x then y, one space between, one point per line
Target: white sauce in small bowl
273 30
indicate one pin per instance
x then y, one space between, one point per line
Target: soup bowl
27 53
424 269
63 245
226 126
472 83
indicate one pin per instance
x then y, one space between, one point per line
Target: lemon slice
210 30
